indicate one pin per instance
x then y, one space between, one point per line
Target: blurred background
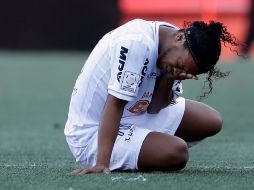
43 46
79 24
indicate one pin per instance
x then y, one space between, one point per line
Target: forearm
162 95
108 130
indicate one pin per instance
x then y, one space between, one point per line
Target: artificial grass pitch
35 89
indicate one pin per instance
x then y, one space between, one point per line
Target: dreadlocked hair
209 38
214 73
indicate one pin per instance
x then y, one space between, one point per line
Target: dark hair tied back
207 48
215 29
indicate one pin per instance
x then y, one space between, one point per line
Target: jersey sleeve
127 60
177 89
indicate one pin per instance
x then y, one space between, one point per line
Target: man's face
178 63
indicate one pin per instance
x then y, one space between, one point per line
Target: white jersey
122 64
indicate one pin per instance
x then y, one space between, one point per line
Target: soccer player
126 112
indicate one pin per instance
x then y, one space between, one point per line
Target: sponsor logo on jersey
139 106
130 81
143 72
122 59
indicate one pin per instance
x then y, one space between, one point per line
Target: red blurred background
233 13
79 24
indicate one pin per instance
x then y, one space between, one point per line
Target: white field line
140 176
121 178
22 165
190 167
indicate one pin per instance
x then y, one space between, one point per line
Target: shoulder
137 31
138 22
167 24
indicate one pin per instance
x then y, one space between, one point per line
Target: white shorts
132 133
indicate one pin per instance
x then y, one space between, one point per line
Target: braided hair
204 43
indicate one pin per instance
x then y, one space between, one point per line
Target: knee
216 123
178 159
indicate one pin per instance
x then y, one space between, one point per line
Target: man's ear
180 38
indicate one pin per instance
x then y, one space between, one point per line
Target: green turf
34 95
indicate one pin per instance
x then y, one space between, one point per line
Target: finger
94 170
195 77
189 76
106 171
174 71
76 171
91 170
177 71
182 76
85 171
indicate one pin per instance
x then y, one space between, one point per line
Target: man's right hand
175 73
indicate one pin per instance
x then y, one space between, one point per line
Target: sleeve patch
130 81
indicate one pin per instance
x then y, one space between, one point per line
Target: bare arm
107 134
162 94
109 127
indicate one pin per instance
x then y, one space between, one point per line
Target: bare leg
199 121
162 152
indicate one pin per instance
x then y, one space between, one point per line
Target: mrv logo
122 59
143 72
